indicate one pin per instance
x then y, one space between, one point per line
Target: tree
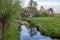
8 9
42 8
32 7
34 4
31 2
5 8
51 9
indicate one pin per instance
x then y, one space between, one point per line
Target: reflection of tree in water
33 31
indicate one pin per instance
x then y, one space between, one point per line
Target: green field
48 25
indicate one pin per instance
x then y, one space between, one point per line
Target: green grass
12 32
50 25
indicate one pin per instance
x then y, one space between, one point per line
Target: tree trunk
1 29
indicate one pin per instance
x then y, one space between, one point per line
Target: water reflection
25 34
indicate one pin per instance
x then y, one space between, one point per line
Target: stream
25 34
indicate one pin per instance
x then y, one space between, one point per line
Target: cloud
49 3
55 4
24 3
48 0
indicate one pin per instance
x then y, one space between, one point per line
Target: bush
43 13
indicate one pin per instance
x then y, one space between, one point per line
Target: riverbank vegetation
12 32
48 25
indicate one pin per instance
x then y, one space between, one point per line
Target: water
25 34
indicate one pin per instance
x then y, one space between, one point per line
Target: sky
55 4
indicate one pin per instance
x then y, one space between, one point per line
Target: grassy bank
48 25
12 32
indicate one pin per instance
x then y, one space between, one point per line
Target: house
33 12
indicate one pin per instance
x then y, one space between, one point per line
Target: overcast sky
55 4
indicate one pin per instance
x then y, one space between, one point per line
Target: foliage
5 9
12 32
33 6
44 13
10 9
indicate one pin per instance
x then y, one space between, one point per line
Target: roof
32 9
